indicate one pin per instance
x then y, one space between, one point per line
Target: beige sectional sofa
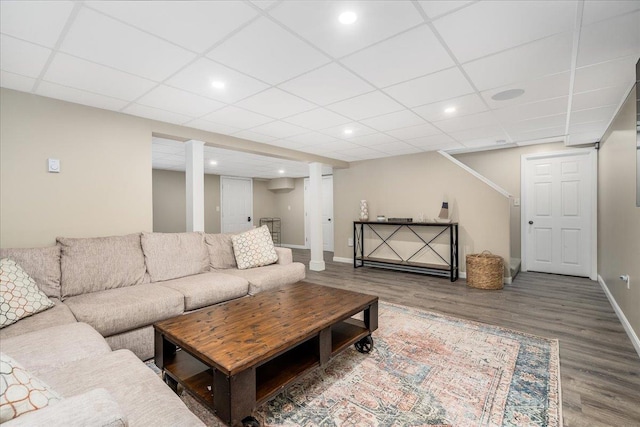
108 292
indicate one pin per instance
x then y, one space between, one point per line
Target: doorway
559 196
236 196
327 213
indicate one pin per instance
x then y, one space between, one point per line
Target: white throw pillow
19 295
254 248
21 392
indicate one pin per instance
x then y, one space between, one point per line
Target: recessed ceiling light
218 84
281 171
348 17
507 94
348 131
450 110
213 163
501 141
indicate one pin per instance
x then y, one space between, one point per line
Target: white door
236 196
327 213
559 213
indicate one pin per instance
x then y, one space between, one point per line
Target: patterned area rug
426 369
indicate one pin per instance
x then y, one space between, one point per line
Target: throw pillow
21 392
19 295
254 248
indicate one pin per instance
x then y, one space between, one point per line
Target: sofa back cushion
100 263
172 255
41 264
220 248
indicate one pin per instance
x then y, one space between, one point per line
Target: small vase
364 210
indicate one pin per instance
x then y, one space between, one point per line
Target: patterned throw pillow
19 295
20 392
254 248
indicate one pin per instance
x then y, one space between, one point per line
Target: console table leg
234 397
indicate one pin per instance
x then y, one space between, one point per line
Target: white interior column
315 217
194 174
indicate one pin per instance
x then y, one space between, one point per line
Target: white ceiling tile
276 103
19 57
39 22
599 98
312 138
523 138
472 121
364 106
179 101
412 54
435 8
432 88
396 148
593 114
492 26
373 139
212 127
553 86
414 131
363 153
285 143
397 120
431 141
543 57
344 157
52 90
595 127
195 25
266 51
279 129
583 138
598 10
548 107
447 146
253 136
481 143
264 4
317 21
156 114
464 105
199 76
538 123
16 81
327 84
611 39
237 117
328 147
317 119
73 72
355 129
493 133
104 40
611 73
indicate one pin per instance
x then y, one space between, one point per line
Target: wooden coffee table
237 355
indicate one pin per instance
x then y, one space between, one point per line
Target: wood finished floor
599 368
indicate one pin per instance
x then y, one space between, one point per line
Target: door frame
306 217
592 154
222 178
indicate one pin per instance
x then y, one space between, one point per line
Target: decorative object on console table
444 213
364 210
485 271
381 218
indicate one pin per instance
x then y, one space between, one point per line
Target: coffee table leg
371 317
163 350
234 397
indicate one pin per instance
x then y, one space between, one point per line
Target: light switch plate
516 202
54 165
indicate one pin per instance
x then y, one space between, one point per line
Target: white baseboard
623 319
294 246
344 260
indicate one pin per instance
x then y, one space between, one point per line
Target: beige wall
104 187
292 219
407 186
618 216
170 205
503 168
264 205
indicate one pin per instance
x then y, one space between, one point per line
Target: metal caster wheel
365 345
250 422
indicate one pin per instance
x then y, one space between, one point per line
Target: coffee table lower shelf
260 383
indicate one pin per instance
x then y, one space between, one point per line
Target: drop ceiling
295 77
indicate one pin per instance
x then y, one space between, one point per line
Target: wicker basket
485 271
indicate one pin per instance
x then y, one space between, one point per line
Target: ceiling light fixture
281 171
450 110
213 163
218 84
348 131
348 17
507 94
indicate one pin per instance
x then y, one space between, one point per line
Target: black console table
448 268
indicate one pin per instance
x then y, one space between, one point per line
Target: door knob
530 222
329 219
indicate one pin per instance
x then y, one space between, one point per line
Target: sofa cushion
118 310
59 314
140 341
254 248
141 394
54 347
100 263
205 289
19 295
172 255
21 392
220 251
270 276
42 264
